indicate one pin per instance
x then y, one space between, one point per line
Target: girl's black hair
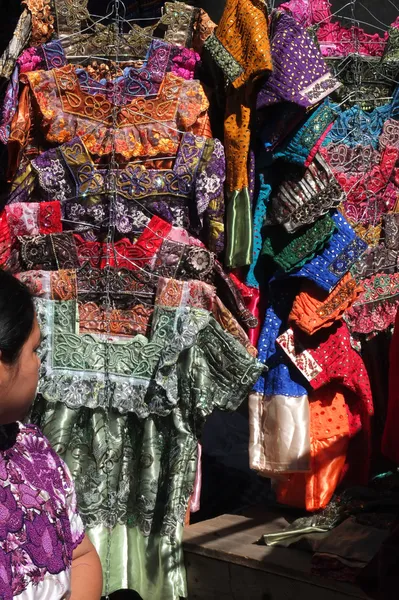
17 315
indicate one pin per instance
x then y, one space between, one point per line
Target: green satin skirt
133 482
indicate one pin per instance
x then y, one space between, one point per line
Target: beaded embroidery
312 311
291 253
376 308
351 253
230 67
344 245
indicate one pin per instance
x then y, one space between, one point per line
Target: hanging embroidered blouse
42 527
144 127
180 24
302 146
161 250
35 25
335 39
284 99
135 367
161 58
378 259
371 190
327 356
278 406
308 81
240 48
188 195
359 128
44 57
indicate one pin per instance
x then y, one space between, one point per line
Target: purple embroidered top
189 195
39 523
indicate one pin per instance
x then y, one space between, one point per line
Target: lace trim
391 231
74 366
293 254
301 200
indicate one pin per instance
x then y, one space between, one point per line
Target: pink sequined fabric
335 39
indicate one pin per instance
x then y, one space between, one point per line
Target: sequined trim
391 231
302 359
348 256
320 88
230 67
303 247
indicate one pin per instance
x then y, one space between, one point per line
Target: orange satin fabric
312 310
329 440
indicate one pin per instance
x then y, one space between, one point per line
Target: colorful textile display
206 215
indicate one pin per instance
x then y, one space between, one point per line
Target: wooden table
224 562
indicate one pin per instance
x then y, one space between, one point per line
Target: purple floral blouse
39 523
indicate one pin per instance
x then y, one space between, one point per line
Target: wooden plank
210 579
232 539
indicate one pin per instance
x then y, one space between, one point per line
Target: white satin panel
279 434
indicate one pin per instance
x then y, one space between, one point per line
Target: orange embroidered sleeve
312 311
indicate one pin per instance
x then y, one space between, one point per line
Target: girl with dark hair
44 553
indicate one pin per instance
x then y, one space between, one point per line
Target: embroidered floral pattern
39 526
